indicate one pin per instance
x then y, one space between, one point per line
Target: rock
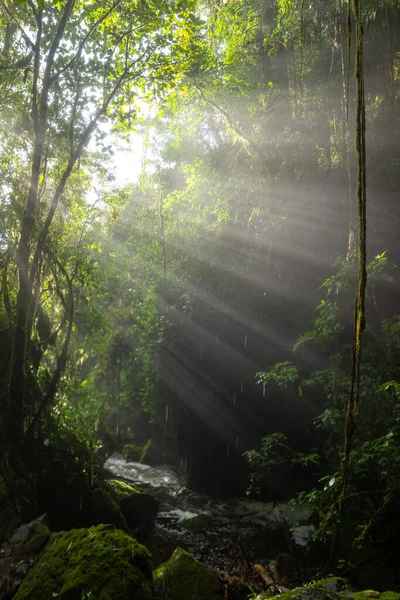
302 534
102 508
272 516
99 563
197 524
185 578
39 536
332 588
138 508
132 453
20 554
31 537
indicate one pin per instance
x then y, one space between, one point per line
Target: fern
307 336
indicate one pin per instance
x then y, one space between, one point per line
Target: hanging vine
359 315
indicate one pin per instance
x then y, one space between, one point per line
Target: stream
230 534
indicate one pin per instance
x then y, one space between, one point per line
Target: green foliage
100 561
370 509
283 374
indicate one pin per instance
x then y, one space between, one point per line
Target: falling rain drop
234 400
245 341
166 413
91 476
241 386
237 443
201 352
228 451
217 340
263 389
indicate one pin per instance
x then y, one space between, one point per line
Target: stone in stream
100 563
182 577
197 524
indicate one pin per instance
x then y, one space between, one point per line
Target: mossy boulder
39 535
132 453
332 588
197 524
138 507
185 578
102 508
143 454
100 563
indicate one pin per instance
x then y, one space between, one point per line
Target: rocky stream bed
148 536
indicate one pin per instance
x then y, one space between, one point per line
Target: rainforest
199 299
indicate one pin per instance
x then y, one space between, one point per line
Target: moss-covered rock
185 578
39 536
100 563
197 524
333 588
102 508
138 508
132 453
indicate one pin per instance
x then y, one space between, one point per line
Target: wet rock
197 524
101 507
132 453
273 515
100 562
184 577
138 507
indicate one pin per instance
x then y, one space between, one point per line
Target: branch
85 137
14 18
62 359
81 46
35 12
36 67
239 133
74 274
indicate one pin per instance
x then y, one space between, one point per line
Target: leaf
307 336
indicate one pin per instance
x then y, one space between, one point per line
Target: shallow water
238 529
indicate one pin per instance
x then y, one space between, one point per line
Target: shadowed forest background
178 250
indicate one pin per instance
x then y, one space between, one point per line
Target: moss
132 453
184 577
335 588
329 588
146 450
119 489
102 508
139 508
38 538
197 524
101 563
